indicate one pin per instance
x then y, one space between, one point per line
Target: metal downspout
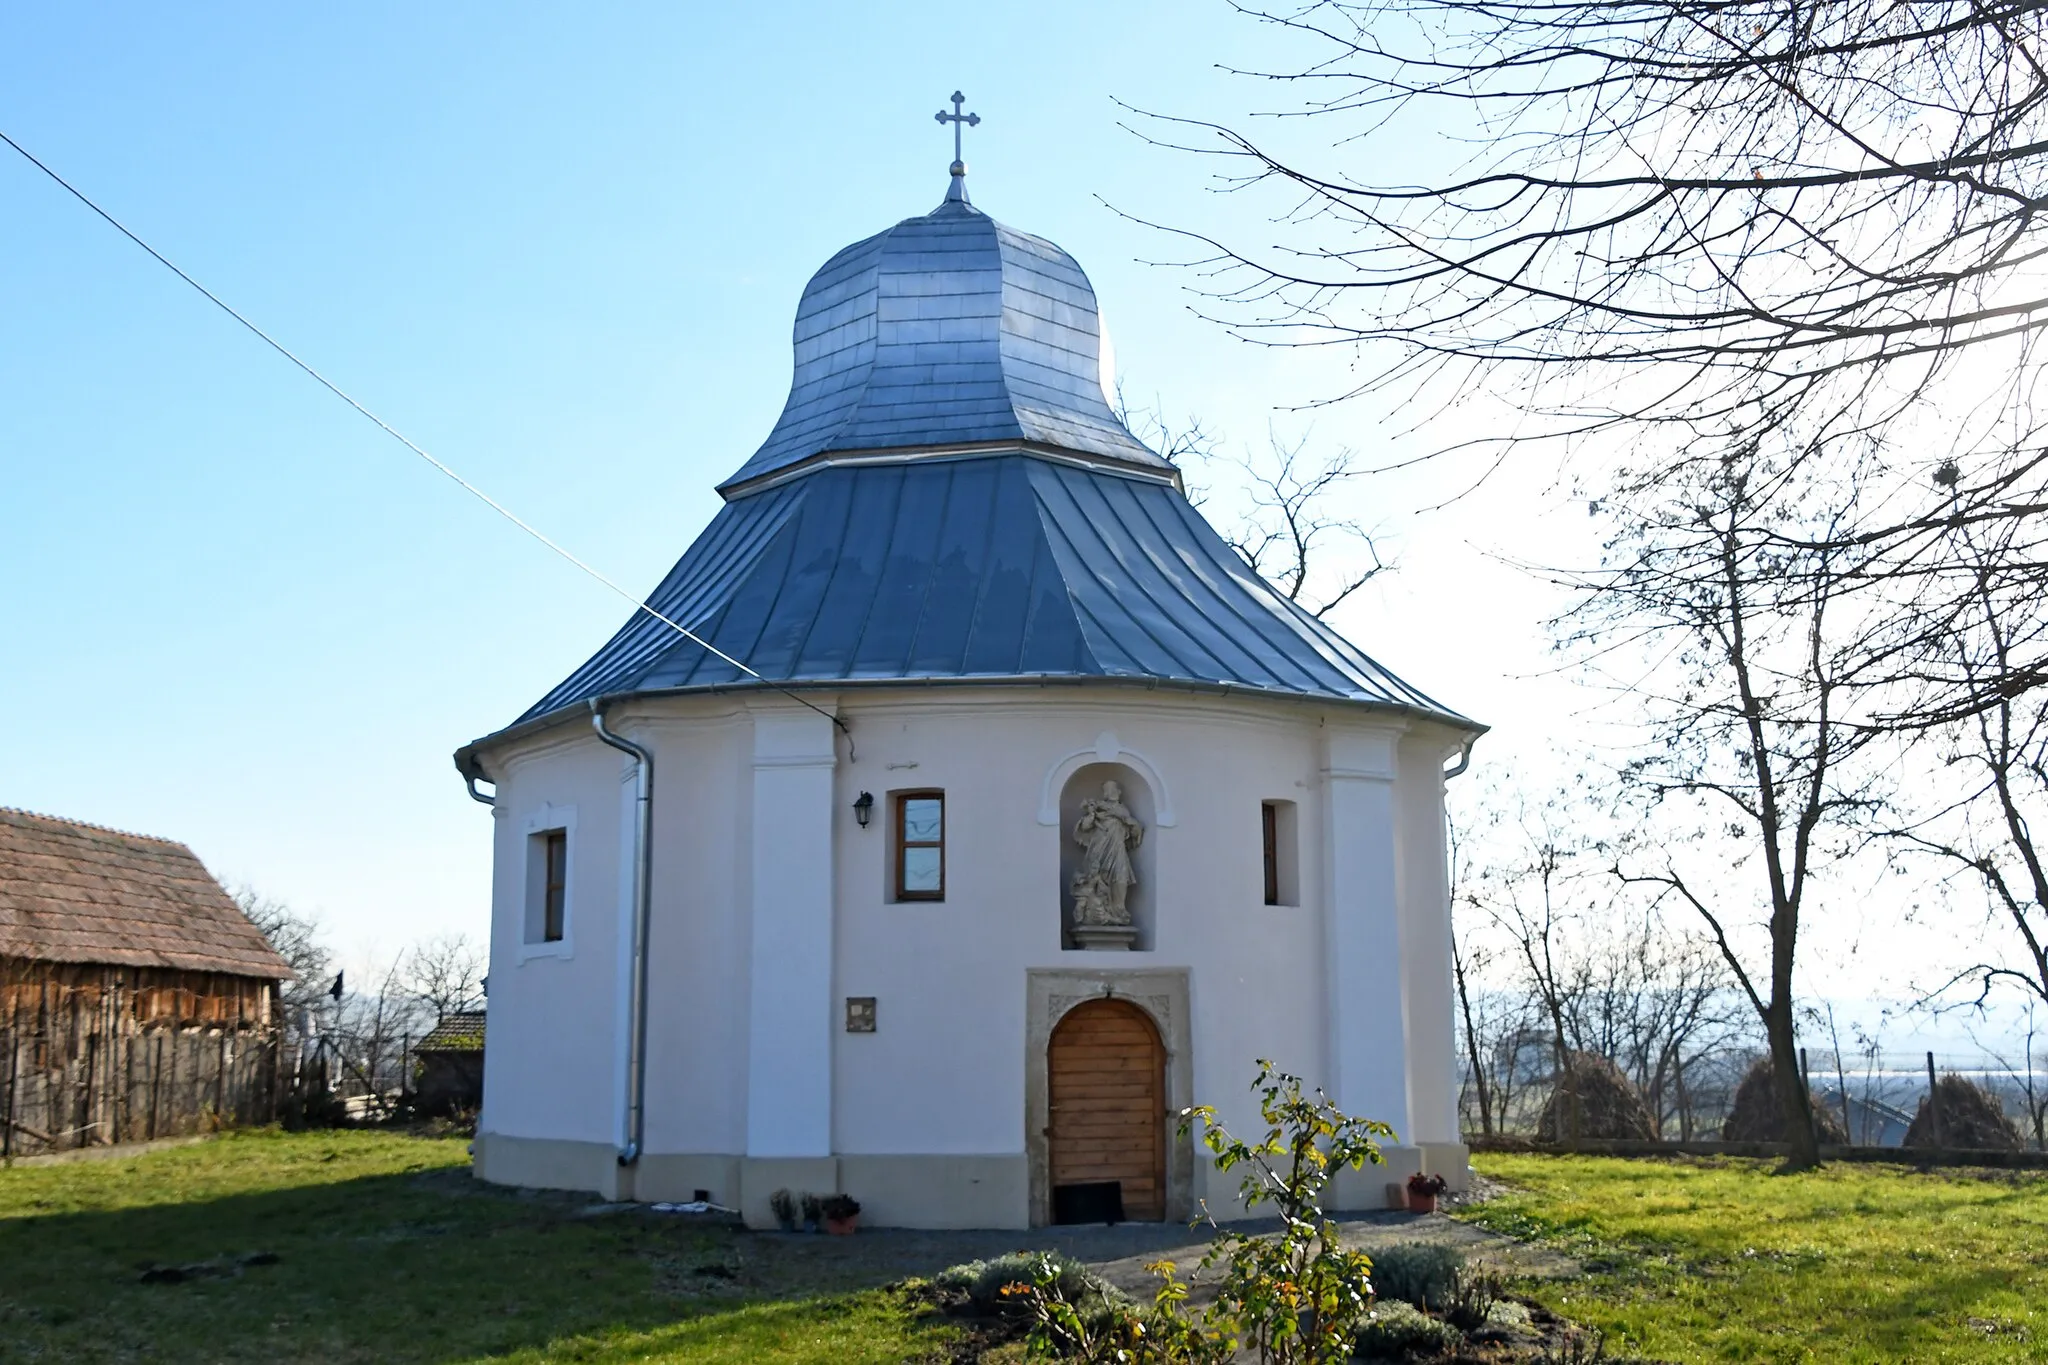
643 887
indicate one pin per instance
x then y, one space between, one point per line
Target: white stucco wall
549 1070
942 1072
771 907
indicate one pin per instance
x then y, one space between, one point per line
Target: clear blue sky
561 249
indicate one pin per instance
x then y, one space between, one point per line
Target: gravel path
881 1255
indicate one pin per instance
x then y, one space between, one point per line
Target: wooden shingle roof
72 892
462 1031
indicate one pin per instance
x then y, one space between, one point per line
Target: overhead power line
507 513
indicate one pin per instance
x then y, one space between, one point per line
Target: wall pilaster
1362 925
1429 993
789 1051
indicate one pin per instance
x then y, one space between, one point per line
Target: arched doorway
1106 1086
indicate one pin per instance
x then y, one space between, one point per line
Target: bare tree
1603 973
297 937
1482 1032
1286 528
446 974
1974 695
1476 1069
1765 212
1533 893
1754 762
2023 1076
1659 1007
368 1029
1289 531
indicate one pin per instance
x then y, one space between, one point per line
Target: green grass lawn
386 1250
1721 1260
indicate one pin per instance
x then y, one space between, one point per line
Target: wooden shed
451 1065
136 999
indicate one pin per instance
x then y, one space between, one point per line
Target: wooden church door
1106 1074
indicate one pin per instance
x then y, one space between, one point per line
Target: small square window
920 836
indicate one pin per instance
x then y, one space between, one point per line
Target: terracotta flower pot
843 1227
1421 1203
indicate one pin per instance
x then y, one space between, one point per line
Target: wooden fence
92 1055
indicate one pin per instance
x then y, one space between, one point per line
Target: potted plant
842 1215
1423 1191
814 1211
783 1205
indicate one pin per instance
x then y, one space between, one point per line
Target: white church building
864 914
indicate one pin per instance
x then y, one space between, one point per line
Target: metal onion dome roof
947 329
976 570
948 498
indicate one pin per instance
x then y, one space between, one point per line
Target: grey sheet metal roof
946 329
986 568
998 523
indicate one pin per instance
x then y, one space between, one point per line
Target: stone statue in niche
1108 835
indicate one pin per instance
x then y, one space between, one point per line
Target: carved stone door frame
1162 993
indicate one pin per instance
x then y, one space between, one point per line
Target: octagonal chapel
960 808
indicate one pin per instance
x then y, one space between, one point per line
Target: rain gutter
643 889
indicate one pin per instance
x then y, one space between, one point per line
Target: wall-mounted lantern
863 807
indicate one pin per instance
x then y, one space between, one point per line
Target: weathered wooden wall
93 1054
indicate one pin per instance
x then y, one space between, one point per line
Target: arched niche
1106 749
1087 781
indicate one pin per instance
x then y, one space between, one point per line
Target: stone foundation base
914 1191
1361 1191
1452 1161
911 1191
549 1164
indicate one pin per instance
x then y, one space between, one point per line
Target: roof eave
468 759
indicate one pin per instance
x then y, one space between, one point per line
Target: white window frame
533 883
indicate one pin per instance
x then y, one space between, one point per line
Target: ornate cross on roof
956 118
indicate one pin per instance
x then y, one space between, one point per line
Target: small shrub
1094 1324
840 1207
1300 1298
813 1209
1475 1292
959 1277
1396 1330
1422 1274
984 1281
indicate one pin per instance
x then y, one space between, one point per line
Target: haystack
1608 1106
1971 1117
1758 1116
